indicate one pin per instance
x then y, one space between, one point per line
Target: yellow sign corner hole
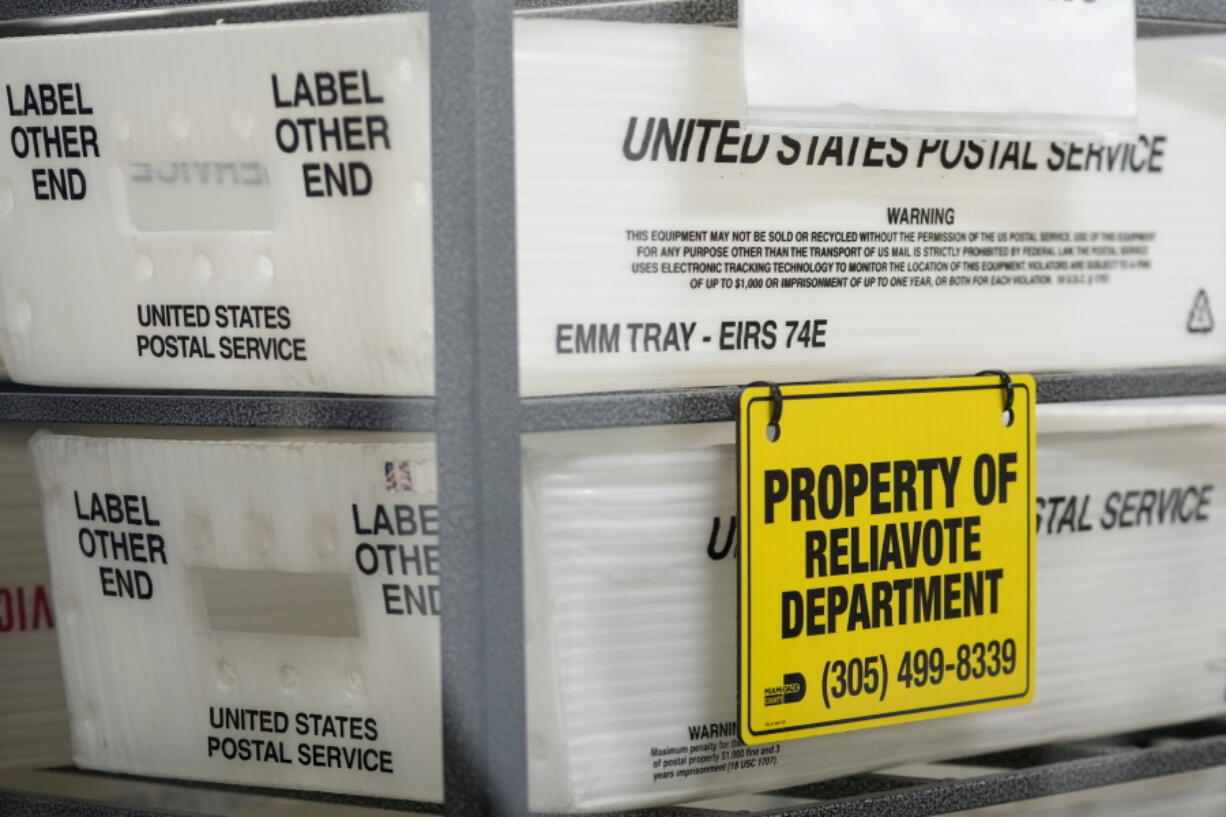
887 553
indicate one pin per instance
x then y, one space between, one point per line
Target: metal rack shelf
478 417
995 778
568 412
712 405
25 404
65 16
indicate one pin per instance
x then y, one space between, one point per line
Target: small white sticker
1038 67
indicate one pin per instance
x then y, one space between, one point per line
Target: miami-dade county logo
397 476
789 692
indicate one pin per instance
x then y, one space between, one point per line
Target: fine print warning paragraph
801 259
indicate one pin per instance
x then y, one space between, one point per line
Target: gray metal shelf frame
567 412
478 415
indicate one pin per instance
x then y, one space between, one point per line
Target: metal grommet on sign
772 429
1008 385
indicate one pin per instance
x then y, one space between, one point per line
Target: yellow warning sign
887 553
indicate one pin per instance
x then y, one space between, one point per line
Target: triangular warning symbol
1200 319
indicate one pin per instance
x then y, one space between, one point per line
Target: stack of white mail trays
259 609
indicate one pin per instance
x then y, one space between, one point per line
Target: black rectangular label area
279 603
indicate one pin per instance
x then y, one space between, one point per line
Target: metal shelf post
477 408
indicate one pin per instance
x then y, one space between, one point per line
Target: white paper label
987 66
